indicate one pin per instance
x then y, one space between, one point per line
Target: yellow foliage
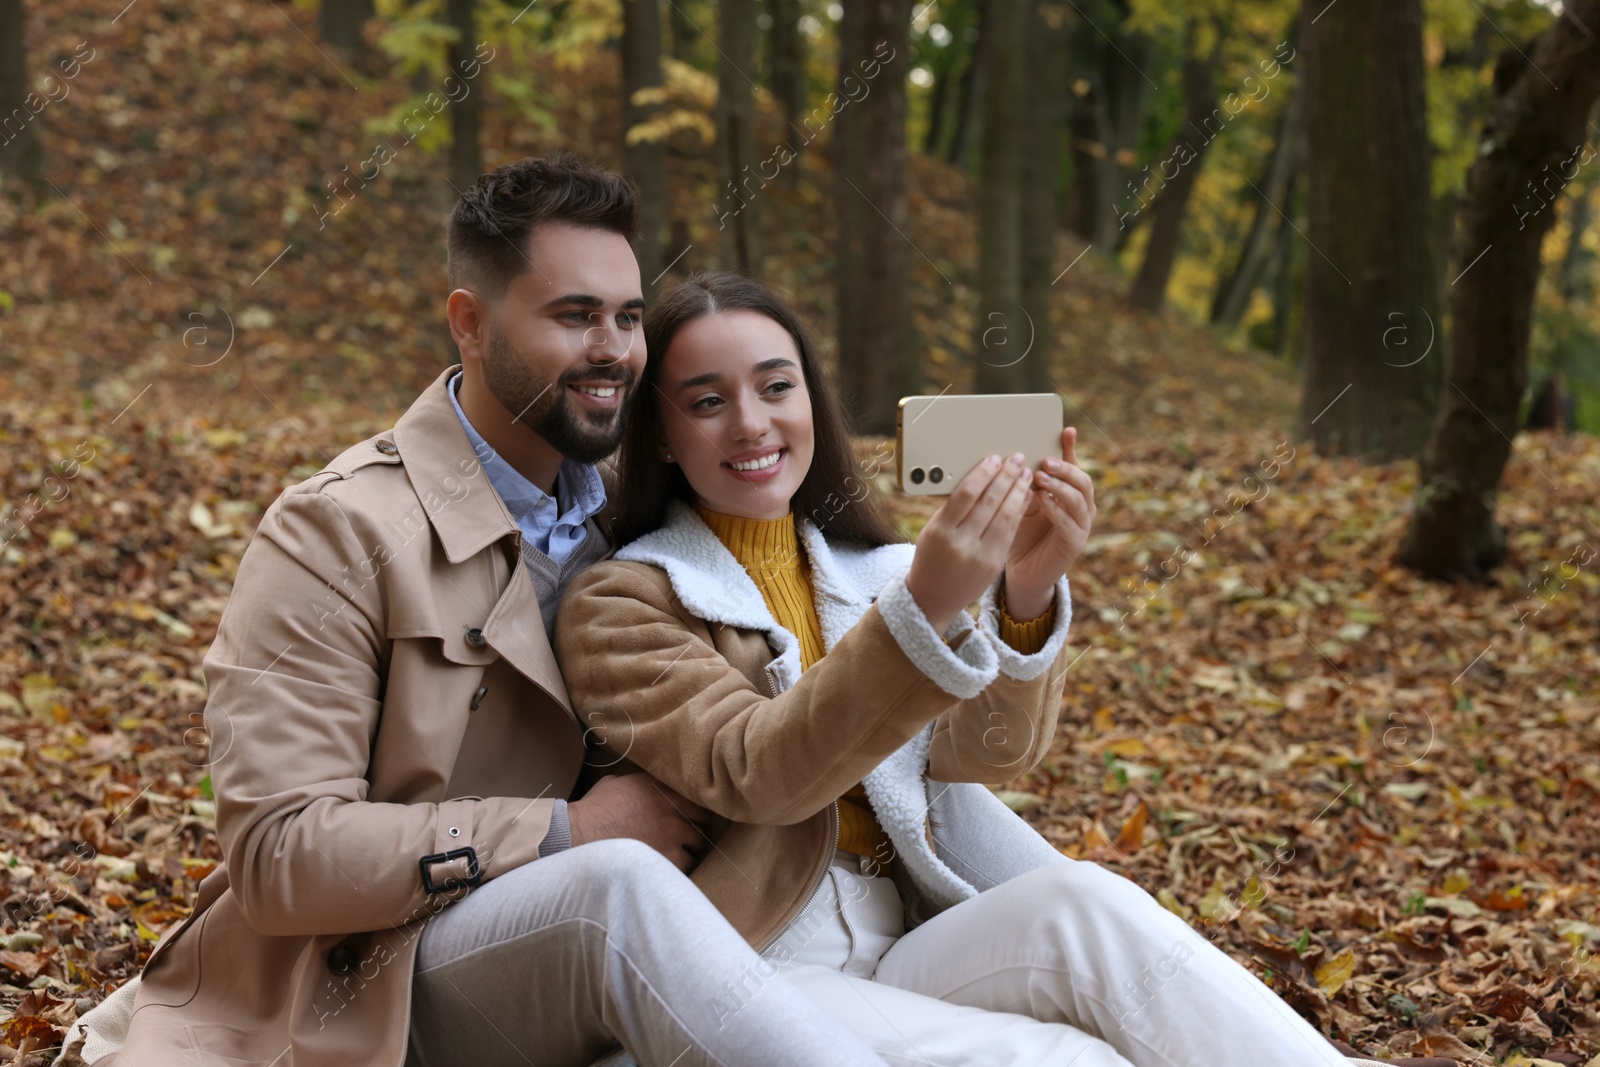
668 123
1335 972
584 26
688 97
689 84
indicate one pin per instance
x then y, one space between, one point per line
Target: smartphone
939 439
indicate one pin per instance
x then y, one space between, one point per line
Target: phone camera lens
936 475
916 475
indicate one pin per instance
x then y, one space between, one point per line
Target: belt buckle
466 852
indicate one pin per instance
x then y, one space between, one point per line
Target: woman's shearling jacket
675 664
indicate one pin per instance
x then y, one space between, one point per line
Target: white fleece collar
714 585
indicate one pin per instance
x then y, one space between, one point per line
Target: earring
669 457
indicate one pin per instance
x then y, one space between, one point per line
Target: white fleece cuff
1014 664
963 672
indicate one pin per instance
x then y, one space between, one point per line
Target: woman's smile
758 465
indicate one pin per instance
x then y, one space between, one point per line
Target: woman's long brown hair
834 494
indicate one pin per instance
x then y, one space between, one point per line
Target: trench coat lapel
440 461
515 629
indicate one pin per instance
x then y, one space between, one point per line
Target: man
392 745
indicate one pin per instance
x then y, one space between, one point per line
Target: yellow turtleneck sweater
770 552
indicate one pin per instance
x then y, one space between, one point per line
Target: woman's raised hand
964 546
1052 533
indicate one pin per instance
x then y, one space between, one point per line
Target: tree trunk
21 151
1092 194
974 83
788 60
937 107
1283 289
1535 133
1445 208
466 162
1577 264
1233 295
1372 288
1107 120
339 23
1127 98
1468 114
685 39
644 161
738 206
1041 181
1001 327
877 359
1203 122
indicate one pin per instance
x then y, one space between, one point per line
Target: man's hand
638 806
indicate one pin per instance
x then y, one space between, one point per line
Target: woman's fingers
1077 482
1008 516
1068 512
989 501
969 490
1067 496
994 497
1077 477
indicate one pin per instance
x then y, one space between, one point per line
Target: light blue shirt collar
553 525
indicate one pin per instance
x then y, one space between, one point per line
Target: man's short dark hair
487 236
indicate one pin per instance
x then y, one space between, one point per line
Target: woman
765 645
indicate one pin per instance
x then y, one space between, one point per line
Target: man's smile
604 395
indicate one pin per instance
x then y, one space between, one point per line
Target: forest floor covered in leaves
1380 794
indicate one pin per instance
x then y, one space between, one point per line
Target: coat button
342 959
475 637
477 698
386 447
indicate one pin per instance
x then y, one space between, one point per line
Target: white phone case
941 438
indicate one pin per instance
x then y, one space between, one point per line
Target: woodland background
1316 283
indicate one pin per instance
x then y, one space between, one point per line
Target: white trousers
554 962
1068 964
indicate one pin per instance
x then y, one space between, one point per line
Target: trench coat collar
434 448
436 454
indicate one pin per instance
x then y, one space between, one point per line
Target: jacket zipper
833 839
833 836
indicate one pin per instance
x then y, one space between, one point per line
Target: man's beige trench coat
381 691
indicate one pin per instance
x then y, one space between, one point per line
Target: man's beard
546 408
